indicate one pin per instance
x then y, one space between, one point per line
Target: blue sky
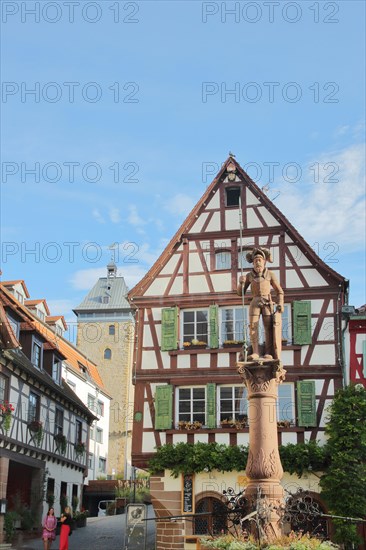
136 104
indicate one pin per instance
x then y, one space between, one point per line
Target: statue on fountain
260 279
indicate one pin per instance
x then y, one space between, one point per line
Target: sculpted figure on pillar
260 279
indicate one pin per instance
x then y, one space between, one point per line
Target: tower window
107 353
112 330
232 196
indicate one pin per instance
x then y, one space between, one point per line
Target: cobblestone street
106 533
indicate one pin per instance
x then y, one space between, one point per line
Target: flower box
237 424
61 442
232 344
79 447
186 425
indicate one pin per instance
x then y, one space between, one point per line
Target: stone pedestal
264 469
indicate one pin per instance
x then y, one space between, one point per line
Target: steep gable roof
72 355
188 223
9 284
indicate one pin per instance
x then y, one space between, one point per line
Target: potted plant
61 443
238 424
50 499
187 425
198 344
80 518
232 343
79 447
6 410
36 429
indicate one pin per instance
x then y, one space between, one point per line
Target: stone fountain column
264 469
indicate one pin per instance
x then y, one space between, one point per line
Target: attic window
105 299
232 196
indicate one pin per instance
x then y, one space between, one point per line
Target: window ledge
226 430
226 349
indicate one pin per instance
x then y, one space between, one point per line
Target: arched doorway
215 522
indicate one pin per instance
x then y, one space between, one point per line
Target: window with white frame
15 325
100 408
33 407
40 314
90 461
91 402
59 421
99 435
223 260
102 464
3 388
195 325
56 371
19 297
37 354
232 402
232 324
286 403
191 404
78 431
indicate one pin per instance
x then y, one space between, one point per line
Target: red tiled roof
31 322
12 283
36 302
51 320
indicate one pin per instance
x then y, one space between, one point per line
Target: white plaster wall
268 218
156 287
214 224
198 284
222 243
214 201
200 438
203 361
195 263
323 355
313 277
327 330
292 279
62 473
148 442
148 360
171 264
252 219
242 438
221 282
251 199
177 287
232 219
147 338
177 438
299 257
223 360
198 224
183 361
147 416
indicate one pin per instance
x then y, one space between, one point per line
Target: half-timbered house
44 425
190 324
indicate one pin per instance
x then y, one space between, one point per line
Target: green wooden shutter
306 404
163 407
211 405
302 322
214 327
169 328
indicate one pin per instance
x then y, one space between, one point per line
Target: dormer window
19 297
105 299
40 315
15 325
232 196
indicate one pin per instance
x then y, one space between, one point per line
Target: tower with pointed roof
105 332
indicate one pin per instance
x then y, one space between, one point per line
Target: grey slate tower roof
108 293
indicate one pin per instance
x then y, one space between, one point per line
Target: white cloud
98 216
332 210
114 215
60 307
134 218
180 204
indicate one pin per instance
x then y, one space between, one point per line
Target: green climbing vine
184 458
344 482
